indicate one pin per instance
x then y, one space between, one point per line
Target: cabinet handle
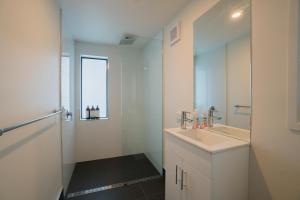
181 184
176 175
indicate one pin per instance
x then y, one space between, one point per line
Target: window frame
107 68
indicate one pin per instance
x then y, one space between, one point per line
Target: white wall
275 160
68 127
153 92
99 139
30 157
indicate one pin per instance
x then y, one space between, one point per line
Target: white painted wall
275 160
30 157
68 127
99 139
153 93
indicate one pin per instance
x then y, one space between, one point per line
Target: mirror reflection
222 63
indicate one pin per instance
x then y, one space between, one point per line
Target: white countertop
211 142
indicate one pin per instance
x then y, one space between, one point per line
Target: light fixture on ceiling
236 14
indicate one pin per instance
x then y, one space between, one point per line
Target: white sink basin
207 140
204 137
230 131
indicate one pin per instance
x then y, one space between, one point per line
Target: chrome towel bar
241 106
20 124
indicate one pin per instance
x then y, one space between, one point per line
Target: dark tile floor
98 173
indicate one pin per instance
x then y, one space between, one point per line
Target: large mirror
294 66
222 63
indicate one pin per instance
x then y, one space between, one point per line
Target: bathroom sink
204 137
237 133
207 140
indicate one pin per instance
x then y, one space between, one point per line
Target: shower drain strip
113 186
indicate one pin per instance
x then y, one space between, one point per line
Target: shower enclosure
142 69
133 124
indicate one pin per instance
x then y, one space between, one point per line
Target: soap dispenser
93 113
87 112
97 112
195 119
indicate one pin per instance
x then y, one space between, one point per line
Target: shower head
127 39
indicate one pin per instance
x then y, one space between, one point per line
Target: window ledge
95 119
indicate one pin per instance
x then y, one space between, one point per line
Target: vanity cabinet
195 174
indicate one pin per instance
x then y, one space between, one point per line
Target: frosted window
94 85
65 82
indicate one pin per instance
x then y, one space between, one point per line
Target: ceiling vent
127 39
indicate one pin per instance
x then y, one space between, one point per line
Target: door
195 186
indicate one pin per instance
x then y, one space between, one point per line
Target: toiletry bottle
87 112
195 120
97 112
178 118
93 112
203 121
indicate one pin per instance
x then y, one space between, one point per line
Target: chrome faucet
211 117
184 119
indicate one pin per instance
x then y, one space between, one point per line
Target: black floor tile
154 187
156 197
92 174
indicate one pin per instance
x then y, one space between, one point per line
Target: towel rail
21 124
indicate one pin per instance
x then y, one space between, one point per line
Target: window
94 71
65 82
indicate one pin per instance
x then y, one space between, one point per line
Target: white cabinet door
173 163
195 186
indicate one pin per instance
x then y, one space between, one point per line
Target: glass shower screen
142 98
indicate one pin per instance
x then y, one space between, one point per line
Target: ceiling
216 27
105 21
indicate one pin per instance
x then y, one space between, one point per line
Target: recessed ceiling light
236 14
